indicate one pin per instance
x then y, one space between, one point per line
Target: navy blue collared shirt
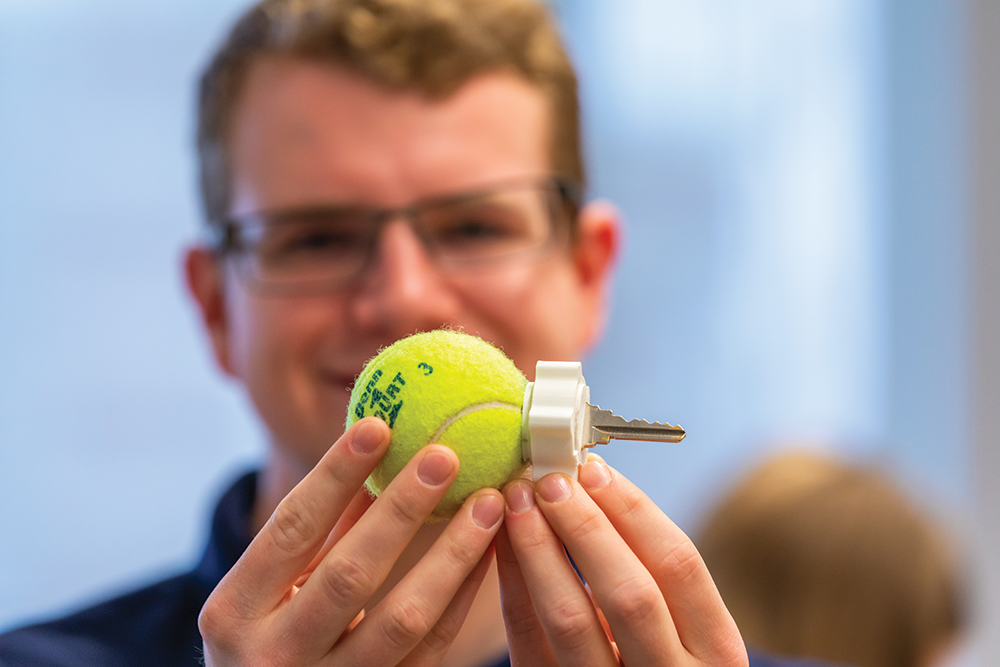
158 625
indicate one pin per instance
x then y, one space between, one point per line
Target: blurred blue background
793 178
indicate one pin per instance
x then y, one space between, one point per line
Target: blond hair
431 46
820 559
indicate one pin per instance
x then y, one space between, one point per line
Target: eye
482 224
295 244
318 239
473 229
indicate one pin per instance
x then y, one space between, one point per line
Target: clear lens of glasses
329 246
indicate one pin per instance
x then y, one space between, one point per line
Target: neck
481 640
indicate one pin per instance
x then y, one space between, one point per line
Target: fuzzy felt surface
453 389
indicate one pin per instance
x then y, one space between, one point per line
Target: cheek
271 338
277 350
532 312
495 291
240 317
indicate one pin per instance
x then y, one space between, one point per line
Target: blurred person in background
822 559
373 168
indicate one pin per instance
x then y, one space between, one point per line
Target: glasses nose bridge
410 214
383 216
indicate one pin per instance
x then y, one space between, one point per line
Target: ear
599 234
205 277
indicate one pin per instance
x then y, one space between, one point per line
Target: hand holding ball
449 388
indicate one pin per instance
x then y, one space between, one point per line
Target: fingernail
520 497
487 510
594 475
367 438
554 488
435 468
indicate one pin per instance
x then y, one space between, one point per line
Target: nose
402 290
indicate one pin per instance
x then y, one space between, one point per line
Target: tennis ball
449 388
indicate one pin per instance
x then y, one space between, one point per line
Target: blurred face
312 135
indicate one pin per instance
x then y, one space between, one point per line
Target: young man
371 169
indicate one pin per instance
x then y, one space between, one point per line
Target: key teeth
641 422
602 434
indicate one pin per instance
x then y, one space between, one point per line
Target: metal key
602 425
559 423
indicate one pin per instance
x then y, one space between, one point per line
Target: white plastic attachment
553 415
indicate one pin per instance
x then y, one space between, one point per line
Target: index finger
525 635
301 523
699 614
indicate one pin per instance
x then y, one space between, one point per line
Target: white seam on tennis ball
469 410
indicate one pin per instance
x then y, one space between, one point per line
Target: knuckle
231 638
403 510
404 624
634 504
332 468
341 470
737 657
682 562
347 582
569 627
441 636
292 529
464 552
519 616
210 621
528 634
633 601
271 656
591 524
530 534
732 652
530 541
224 633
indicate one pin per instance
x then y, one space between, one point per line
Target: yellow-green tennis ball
449 388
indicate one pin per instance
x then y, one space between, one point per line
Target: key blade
603 425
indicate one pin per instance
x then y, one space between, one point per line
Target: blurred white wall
744 143
116 434
792 178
